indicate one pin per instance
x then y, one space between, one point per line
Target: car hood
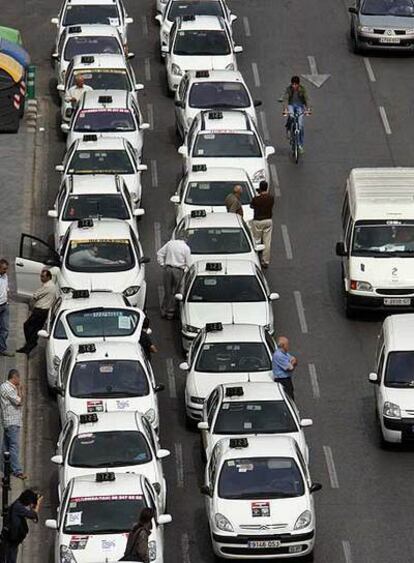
218 62
198 314
384 22
102 281
186 210
383 272
404 398
204 383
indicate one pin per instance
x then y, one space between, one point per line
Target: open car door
34 255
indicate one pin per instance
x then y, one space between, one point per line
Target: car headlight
365 29
230 66
66 555
391 410
191 328
66 289
150 415
132 290
152 550
259 175
304 520
56 362
197 400
175 69
361 285
222 523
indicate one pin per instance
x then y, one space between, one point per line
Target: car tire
202 451
349 311
190 424
356 44
308 558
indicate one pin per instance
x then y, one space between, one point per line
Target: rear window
104 79
207 95
103 322
92 13
196 8
227 145
84 206
233 357
80 45
101 162
104 121
214 193
110 255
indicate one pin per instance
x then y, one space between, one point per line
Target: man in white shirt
175 258
42 300
11 401
4 308
75 93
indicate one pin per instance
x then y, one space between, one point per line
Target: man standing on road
4 308
11 401
262 223
283 365
25 507
146 341
175 258
233 201
76 92
42 300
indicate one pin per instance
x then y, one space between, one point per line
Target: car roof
202 23
230 267
381 193
235 332
124 484
254 391
398 332
91 2
92 30
102 143
216 75
102 228
103 61
219 174
110 351
107 421
260 446
95 299
228 120
90 184
216 220
119 99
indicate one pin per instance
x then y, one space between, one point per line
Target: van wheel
349 311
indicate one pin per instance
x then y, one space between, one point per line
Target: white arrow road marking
314 77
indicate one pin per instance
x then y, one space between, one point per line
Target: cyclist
296 98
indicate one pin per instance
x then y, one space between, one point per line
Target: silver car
382 24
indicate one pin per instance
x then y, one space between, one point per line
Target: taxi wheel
202 451
307 558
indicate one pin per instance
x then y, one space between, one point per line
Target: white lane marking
154 174
275 180
312 64
246 25
385 121
147 65
185 548
265 128
314 381
256 76
179 464
333 477
157 235
369 69
301 312
150 113
346 546
160 294
144 25
286 242
171 378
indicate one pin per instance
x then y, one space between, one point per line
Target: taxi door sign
260 509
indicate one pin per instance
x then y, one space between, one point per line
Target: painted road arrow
314 77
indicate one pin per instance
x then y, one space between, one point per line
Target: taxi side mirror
373 377
205 490
203 425
340 249
315 487
175 199
274 296
51 523
58 459
179 296
43 333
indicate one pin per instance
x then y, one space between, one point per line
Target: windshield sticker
106 110
113 21
79 328
122 404
74 243
74 519
254 407
231 463
105 498
94 406
106 369
124 323
210 281
83 156
244 467
78 542
108 545
247 425
225 406
210 136
260 509
200 152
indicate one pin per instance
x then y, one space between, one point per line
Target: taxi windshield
400 8
112 514
226 289
101 162
104 121
111 255
217 241
254 417
109 449
81 45
227 145
201 43
260 478
214 193
383 239
181 8
91 14
207 95
108 379
110 206
103 322
104 79
400 369
233 357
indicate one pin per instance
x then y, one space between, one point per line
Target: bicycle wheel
295 146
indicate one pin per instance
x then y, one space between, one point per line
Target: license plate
393 40
397 301
257 544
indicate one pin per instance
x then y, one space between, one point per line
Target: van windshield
383 238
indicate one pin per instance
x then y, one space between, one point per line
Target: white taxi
93 155
207 188
89 12
212 236
211 89
259 499
227 353
101 255
104 377
250 409
198 43
81 197
179 8
229 291
82 316
107 113
227 139
98 511
100 72
124 442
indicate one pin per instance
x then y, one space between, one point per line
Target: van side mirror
340 249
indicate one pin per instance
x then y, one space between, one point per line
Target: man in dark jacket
296 99
25 507
137 545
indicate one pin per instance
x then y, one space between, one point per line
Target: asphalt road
364 509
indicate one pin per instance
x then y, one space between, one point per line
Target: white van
378 240
394 379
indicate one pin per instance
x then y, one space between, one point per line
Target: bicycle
294 131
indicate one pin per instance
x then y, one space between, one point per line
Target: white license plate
393 40
257 544
397 301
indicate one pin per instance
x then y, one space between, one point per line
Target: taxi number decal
107 497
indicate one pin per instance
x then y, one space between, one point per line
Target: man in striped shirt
11 401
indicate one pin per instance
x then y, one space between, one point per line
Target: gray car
382 24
